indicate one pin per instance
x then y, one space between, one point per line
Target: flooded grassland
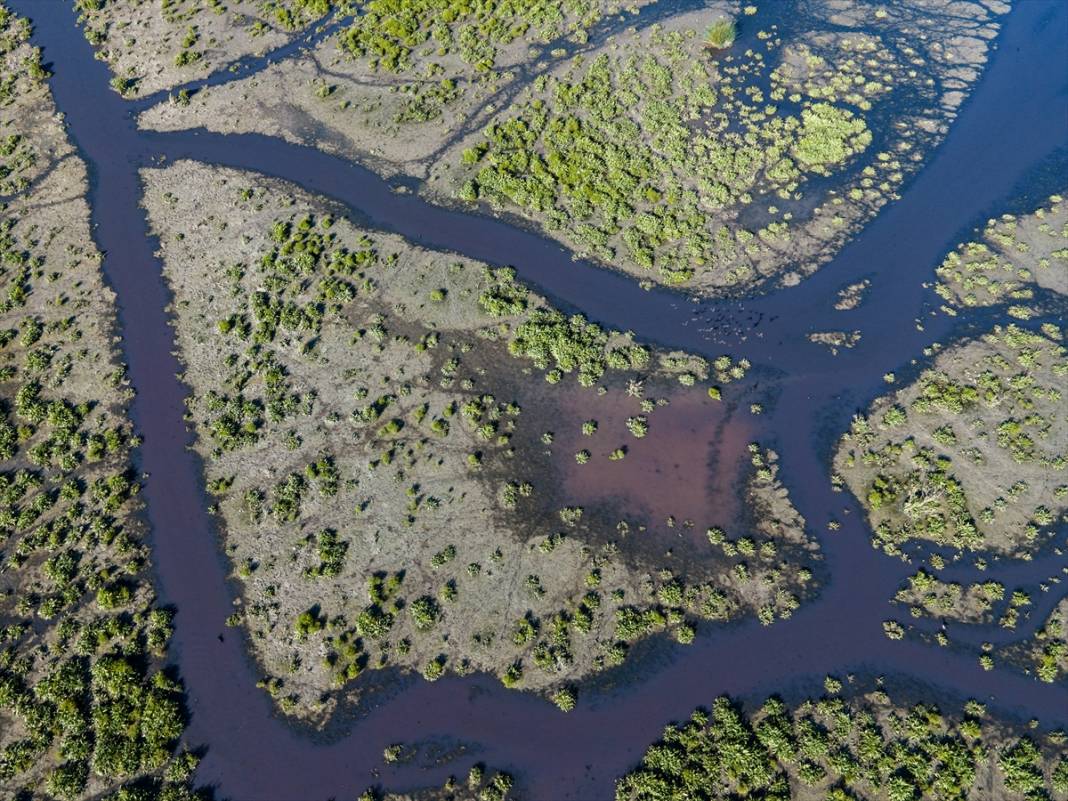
418 462
971 456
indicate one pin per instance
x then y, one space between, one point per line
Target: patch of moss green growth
721 33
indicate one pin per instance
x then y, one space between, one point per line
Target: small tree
564 698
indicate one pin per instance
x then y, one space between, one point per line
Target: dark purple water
1013 125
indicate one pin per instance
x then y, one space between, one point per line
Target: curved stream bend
1014 120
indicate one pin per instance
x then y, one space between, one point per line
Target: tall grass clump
721 33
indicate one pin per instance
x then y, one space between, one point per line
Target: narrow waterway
1016 119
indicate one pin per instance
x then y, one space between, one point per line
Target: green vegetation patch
972 453
638 157
865 748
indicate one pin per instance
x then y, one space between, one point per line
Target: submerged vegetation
859 749
87 707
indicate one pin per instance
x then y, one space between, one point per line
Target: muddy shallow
1002 139
691 470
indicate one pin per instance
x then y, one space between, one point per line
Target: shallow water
690 467
1016 119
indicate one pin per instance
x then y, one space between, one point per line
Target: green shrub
721 33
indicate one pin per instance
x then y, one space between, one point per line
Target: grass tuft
721 33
